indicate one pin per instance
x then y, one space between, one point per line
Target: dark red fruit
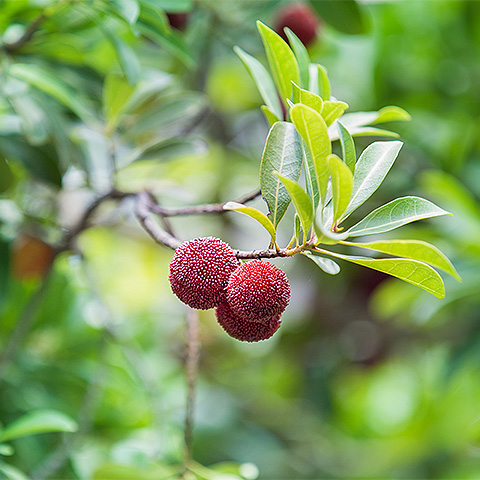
300 19
178 20
31 257
257 291
199 272
244 330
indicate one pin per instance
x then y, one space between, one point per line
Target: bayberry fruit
300 19
199 272
177 20
257 291
244 330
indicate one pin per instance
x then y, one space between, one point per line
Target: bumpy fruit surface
258 291
300 19
199 272
244 330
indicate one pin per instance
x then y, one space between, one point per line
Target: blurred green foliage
367 377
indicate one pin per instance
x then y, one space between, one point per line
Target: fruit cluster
249 298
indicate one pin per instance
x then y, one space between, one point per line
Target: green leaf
333 110
348 147
385 114
257 215
116 92
6 450
269 115
171 40
40 161
345 15
414 249
311 179
164 150
371 168
326 264
126 56
11 472
411 271
323 232
6 175
302 56
324 89
283 154
53 86
394 214
263 81
175 6
307 98
301 200
127 9
281 60
342 184
38 421
313 82
34 122
298 227
313 130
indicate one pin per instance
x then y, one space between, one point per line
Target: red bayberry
300 19
199 272
177 20
258 291
244 330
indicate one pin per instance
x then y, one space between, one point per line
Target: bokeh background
368 377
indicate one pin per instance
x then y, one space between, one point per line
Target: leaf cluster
305 119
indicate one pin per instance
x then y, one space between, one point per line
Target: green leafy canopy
332 188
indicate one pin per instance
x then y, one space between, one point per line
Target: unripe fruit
244 330
300 19
258 291
199 272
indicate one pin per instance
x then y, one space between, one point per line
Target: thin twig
201 209
27 36
191 370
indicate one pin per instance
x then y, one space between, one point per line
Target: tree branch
201 209
27 35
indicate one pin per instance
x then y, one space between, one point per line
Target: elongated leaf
348 147
281 60
342 184
6 450
313 130
262 80
411 271
313 82
394 214
301 200
372 167
116 92
414 249
11 472
39 421
311 179
53 86
302 56
298 228
257 215
283 154
126 56
385 114
333 110
324 89
345 15
307 98
127 9
326 264
269 115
